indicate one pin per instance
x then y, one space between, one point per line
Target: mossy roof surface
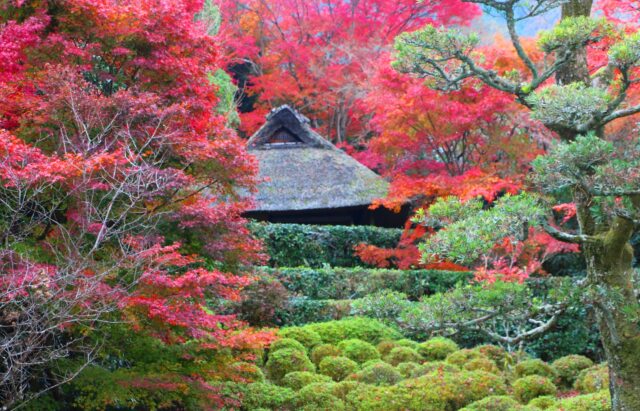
311 175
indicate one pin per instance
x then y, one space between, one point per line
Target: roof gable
312 173
286 128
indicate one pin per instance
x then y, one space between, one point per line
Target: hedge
341 283
303 310
316 246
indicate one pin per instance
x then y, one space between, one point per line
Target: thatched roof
304 171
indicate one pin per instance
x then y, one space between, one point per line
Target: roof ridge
301 117
296 123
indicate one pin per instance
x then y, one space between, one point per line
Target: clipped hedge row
291 245
340 283
303 310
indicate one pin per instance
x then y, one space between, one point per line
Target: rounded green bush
452 391
298 379
496 354
358 350
406 369
460 358
338 368
437 348
544 402
534 367
567 368
318 397
266 395
371 362
593 379
249 372
438 366
324 350
402 354
378 374
287 360
482 364
385 347
387 398
494 403
599 401
285 343
405 342
527 388
303 335
434 392
366 329
343 388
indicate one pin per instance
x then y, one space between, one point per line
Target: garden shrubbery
338 368
338 283
361 364
291 245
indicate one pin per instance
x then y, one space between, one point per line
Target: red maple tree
319 56
115 166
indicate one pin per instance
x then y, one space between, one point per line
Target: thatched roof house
308 179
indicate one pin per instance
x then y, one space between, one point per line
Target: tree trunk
609 265
576 69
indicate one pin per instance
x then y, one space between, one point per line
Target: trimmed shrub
437 348
269 396
544 402
372 362
338 368
303 310
599 401
405 342
343 388
305 336
291 245
460 358
482 364
318 397
385 305
439 366
534 367
298 379
358 350
443 391
527 388
285 343
287 360
324 350
402 354
496 354
366 329
249 372
385 347
494 403
593 379
406 369
567 368
383 398
378 374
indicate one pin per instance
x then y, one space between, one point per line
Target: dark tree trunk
610 273
609 265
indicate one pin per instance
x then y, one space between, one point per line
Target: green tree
599 177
